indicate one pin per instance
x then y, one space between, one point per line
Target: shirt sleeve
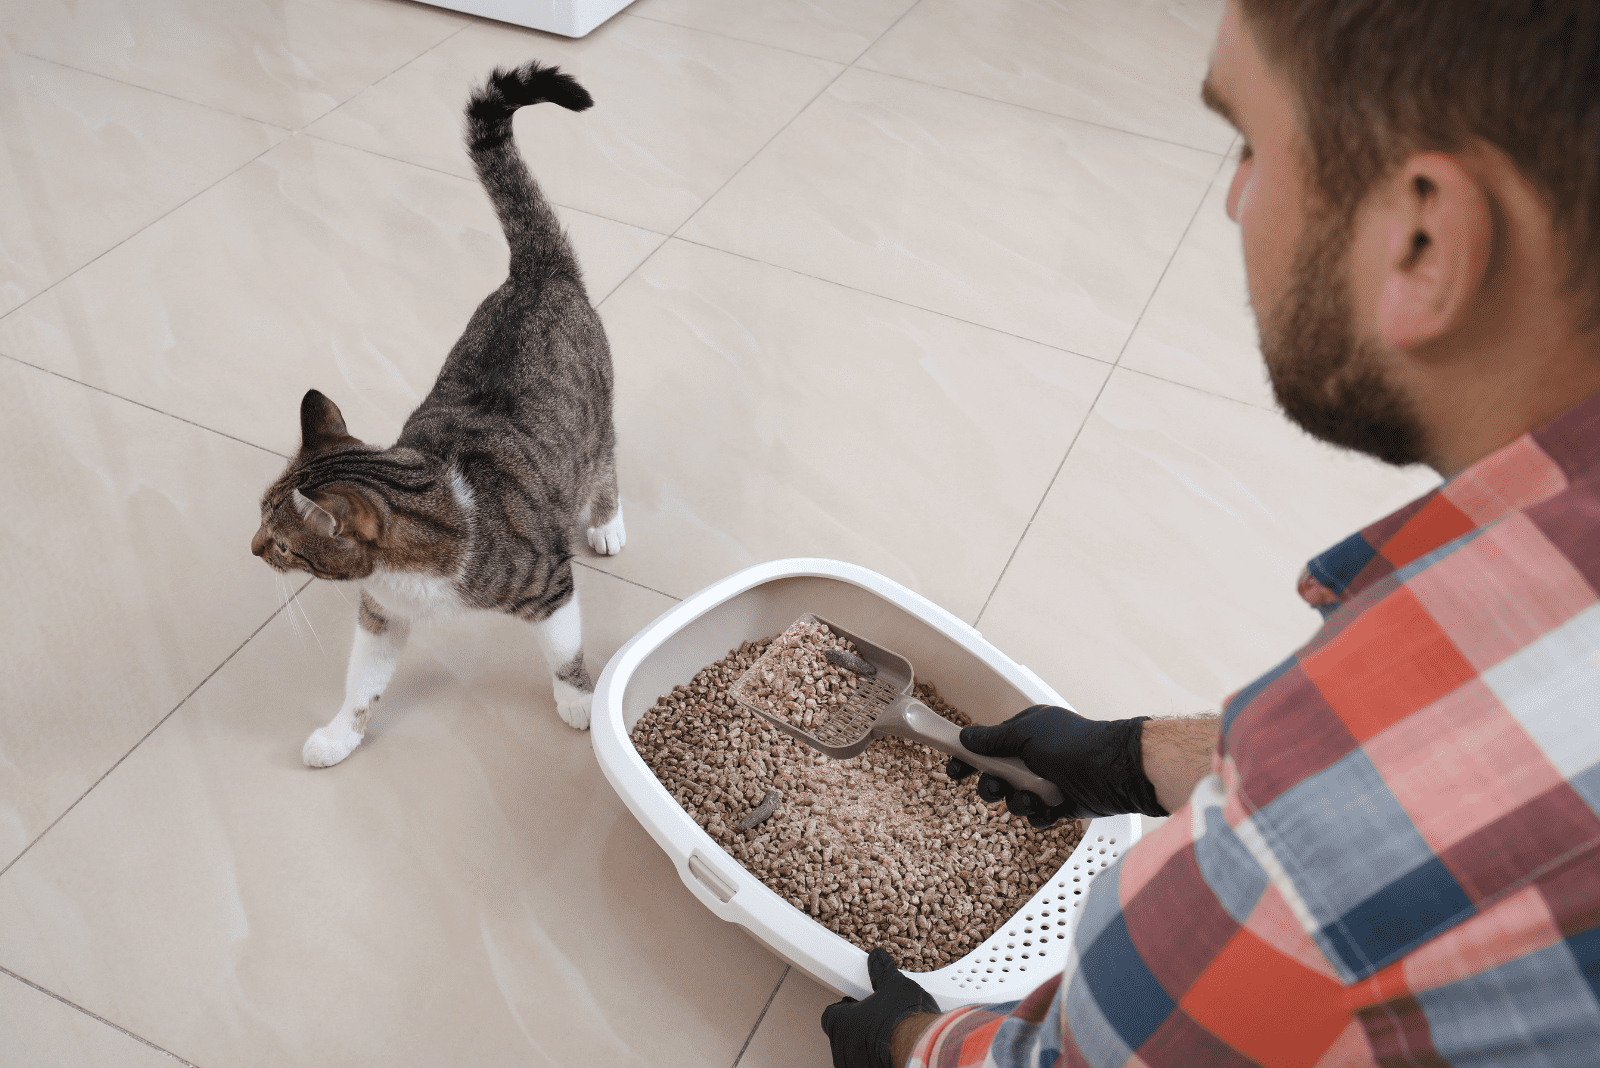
1023 1032
1185 955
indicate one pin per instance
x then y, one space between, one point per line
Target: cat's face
309 521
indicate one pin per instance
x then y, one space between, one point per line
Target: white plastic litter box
971 674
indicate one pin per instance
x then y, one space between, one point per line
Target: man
1391 855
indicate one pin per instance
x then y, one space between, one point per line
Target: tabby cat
473 506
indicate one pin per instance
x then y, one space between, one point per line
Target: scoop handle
908 718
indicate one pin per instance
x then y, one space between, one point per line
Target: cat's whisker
288 610
307 617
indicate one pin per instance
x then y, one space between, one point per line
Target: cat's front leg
380 637
561 637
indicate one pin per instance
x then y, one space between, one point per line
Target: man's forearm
1177 755
906 1034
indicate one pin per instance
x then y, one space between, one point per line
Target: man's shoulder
1437 746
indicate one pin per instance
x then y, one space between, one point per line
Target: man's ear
321 424
335 510
1438 235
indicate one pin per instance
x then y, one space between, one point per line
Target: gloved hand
859 1031
1098 766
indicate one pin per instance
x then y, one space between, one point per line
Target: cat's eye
282 548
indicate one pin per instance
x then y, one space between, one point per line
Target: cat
473 505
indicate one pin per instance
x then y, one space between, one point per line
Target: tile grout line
760 149
472 181
852 65
892 300
95 1016
1115 366
1200 389
843 70
155 727
141 404
147 226
157 92
751 1037
291 130
978 619
1047 114
728 36
713 195
471 21
629 581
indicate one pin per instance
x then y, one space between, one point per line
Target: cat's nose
258 544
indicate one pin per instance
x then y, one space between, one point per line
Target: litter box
971 674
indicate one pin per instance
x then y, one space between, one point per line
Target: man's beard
1327 380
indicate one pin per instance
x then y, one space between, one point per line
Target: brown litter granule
883 849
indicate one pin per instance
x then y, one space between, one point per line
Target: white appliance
570 18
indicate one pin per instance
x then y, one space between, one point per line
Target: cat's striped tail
526 217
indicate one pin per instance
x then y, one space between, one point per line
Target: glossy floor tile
677 112
40 1029
1198 328
764 414
790 1035
1127 64
1166 554
315 266
128 576
943 287
280 61
86 162
467 869
1047 228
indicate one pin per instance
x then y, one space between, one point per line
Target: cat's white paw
573 707
609 539
329 745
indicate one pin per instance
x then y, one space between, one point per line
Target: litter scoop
880 706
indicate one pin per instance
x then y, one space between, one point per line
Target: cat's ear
335 510
315 516
321 424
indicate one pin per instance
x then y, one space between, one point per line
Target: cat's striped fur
474 505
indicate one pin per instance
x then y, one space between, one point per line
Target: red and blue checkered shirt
1396 858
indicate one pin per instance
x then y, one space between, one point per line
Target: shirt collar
1531 469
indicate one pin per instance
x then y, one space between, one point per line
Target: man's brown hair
1380 80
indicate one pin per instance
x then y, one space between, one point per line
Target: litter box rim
735 895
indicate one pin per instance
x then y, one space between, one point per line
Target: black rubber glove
859 1031
1098 766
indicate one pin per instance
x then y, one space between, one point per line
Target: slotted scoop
880 706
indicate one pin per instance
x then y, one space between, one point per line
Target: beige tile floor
976 247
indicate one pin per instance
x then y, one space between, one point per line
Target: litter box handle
925 725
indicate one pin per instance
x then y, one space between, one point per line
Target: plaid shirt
1394 860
